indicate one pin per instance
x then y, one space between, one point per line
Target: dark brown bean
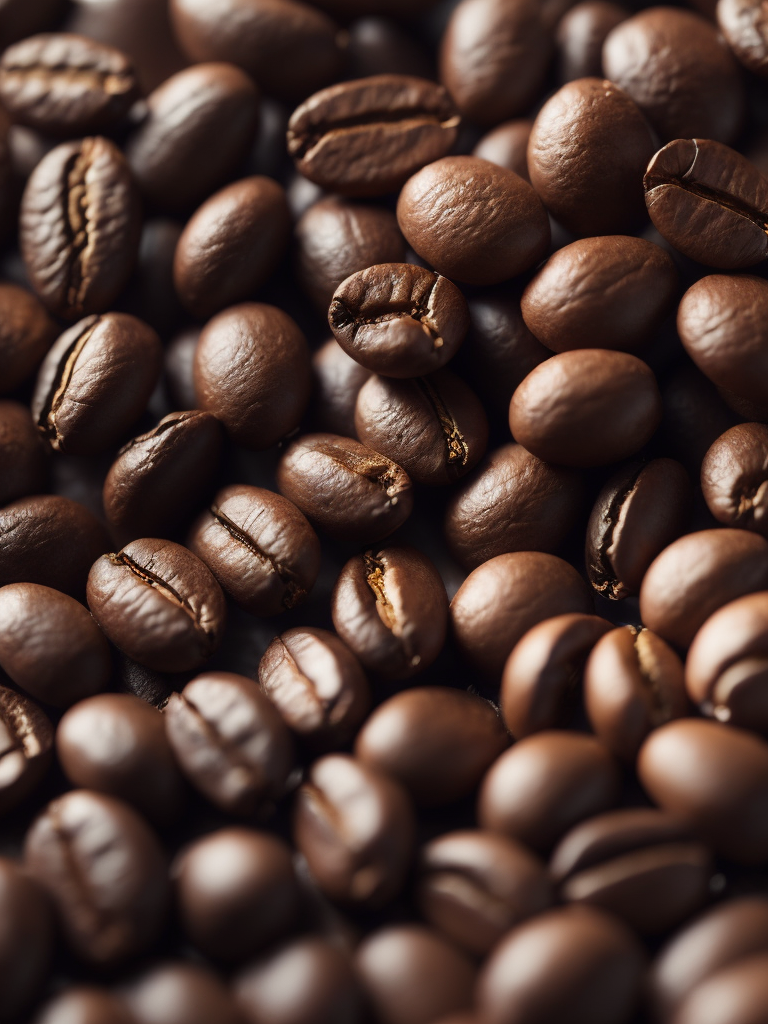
176 992
743 24
694 415
507 145
736 995
23 463
26 747
337 382
26 940
84 1004
580 35
734 477
26 334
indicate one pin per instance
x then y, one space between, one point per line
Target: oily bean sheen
433 426
580 35
472 220
744 26
23 463
398 319
608 292
79 227
26 334
177 992
350 491
641 509
734 477
95 382
365 137
26 940
65 84
710 202
158 603
736 995
506 145
562 409
337 380
105 871
26 747
84 1004
587 153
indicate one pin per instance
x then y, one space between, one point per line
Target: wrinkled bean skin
175 992
23 463
26 747
26 939
734 477
26 334
743 24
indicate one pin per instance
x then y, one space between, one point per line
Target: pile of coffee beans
383 512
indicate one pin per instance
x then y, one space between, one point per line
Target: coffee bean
506 145
492 225
179 372
26 334
158 603
84 1004
26 940
742 24
175 992
560 411
26 747
95 382
351 492
540 687
399 319
580 35
23 465
79 227
337 380
317 685
105 872
390 608
734 477
355 827
379 46
365 137
230 742
735 995
695 415
252 372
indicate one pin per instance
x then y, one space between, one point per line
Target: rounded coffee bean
743 25
698 574
504 597
84 1004
390 608
115 743
230 742
580 35
640 510
609 292
398 319
252 372
337 379
105 872
571 963
513 502
236 892
492 225
507 145
79 227
540 688
348 490
26 940
23 465
734 477
26 334
95 382
26 747
158 603
259 547
561 409
365 137
355 827
231 245
714 776
64 84
317 685
586 125
434 426
198 125
736 995
438 742
175 992
475 886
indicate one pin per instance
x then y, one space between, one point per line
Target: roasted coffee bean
23 465
743 25
198 125
513 502
230 741
609 292
231 245
355 827
179 368
365 137
49 540
115 743
390 608
540 688
433 426
571 963
175 992
698 574
587 121
678 71
438 742
252 372
105 872
26 747
351 492
695 415
734 477
507 146
638 512
492 225
236 891
84 1004
642 865
64 84
337 381
79 227
379 46
158 603
561 409
475 886
317 685
545 784
26 940
580 35
411 975
504 597
735 995
399 319
50 647
26 334
714 776
95 382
